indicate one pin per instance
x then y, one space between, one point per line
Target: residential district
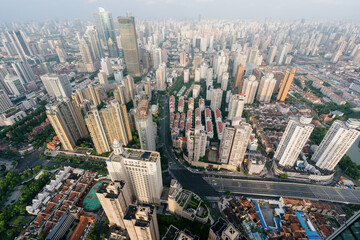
193 129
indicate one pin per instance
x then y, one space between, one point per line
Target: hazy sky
25 10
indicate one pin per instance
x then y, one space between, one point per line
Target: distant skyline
34 10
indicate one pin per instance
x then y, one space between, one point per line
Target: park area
91 202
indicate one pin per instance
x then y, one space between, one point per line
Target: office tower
183 59
5 102
266 88
9 48
57 85
23 71
145 126
140 168
186 75
236 106
141 222
106 66
89 62
249 89
196 142
336 143
94 41
161 77
67 121
239 75
18 41
61 54
234 142
14 84
216 99
103 78
129 45
114 199
107 124
271 55
197 75
105 26
285 85
293 140
156 58
224 81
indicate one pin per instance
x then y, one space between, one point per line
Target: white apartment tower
161 77
145 126
234 142
5 102
336 143
141 169
57 85
249 89
216 98
196 144
266 88
293 140
236 106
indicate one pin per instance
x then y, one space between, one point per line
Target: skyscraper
336 143
285 86
14 84
141 222
105 26
129 45
23 71
57 85
114 199
156 58
18 41
145 126
271 55
107 124
293 140
266 88
89 62
234 142
239 75
236 106
67 121
249 89
224 81
94 40
140 168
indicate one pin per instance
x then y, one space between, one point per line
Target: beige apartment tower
67 121
285 86
114 199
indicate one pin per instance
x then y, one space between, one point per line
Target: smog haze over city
179 119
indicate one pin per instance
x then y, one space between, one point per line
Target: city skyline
165 9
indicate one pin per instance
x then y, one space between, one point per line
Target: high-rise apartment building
107 124
285 85
234 142
156 58
271 55
141 169
67 121
196 144
266 88
114 199
216 99
145 126
106 66
186 75
161 77
5 102
249 89
336 143
57 85
293 140
238 79
236 106
183 59
224 81
141 222
129 45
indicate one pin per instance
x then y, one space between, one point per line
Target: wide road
279 189
210 186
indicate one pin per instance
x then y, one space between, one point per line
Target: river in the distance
354 152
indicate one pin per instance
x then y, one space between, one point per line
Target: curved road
212 186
